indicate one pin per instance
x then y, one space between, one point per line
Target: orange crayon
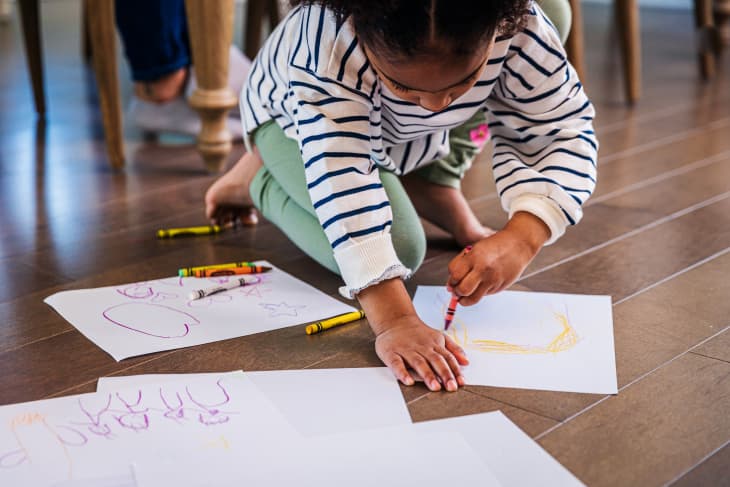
451 310
231 271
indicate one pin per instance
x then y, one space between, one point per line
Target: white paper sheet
151 316
315 401
511 455
98 436
561 342
397 456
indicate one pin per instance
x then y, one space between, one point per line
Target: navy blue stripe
299 43
554 151
338 133
250 107
542 180
313 119
327 101
529 60
360 233
347 192
316 88
406 154
496 60
356 155
543 44
324 79
357 211
518 77
486 82
545 94
427 146
353 118
532 120
559 139
332 174
519 168
570 220
345 57
568 170
398 102
360 74
319 39
309 48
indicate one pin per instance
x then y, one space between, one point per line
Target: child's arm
496 262
404 341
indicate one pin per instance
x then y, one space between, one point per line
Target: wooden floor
655 236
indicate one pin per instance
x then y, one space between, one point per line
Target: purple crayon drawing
137 291
95 424
154 320
282 308
136 417
209 413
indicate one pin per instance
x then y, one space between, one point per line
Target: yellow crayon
190 271
189 231
342 319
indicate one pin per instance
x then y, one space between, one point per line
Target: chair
626 14
212 99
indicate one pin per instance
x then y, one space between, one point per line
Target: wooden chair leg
722 24
627 16
255 10
574 44
85 34
104 60
705 39
30 19
212 98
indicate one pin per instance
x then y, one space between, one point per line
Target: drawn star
254 291
282 309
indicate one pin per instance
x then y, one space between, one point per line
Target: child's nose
435 102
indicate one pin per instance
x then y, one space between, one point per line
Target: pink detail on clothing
480 135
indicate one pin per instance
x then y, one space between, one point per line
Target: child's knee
411 247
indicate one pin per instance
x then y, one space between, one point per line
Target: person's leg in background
155 38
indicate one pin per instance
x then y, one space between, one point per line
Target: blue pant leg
155 36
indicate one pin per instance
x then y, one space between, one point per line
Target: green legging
279 191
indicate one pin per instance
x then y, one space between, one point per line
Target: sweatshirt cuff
366 263
545 209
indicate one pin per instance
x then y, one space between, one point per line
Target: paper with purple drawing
151 316
561 342
316 401
76 439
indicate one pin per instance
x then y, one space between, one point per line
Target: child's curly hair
406 28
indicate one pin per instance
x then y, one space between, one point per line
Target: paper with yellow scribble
529 340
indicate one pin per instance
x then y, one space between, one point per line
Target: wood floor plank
719 346
463 402
635 439
714 470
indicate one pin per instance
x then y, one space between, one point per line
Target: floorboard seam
629 384
703 460
631 233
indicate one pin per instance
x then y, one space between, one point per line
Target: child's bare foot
163 89
229 198
446 208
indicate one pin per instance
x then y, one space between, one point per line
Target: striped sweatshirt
313 78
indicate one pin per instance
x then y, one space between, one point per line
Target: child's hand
408 342
496 262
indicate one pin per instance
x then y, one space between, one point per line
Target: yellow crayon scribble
220 442
27 419
565 340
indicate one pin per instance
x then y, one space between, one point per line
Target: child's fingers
395 363
459 267
441 367
455 349
421 365
453 364
484 287
468 284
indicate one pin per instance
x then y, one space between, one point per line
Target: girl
348 96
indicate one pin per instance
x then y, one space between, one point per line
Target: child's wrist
530 229
385 304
